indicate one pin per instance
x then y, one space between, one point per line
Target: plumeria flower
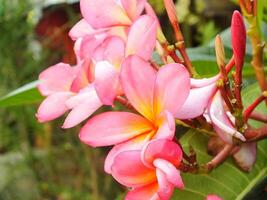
201 93
155 173
107 17
66 88
222 121
155 95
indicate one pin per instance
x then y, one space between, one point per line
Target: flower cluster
114 43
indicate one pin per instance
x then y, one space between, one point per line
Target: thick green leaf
27 94
227 180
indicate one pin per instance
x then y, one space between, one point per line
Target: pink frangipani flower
155 95
155 171
213 197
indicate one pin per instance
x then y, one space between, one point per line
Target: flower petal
166 129
133 8
49 79
107 82
112 128
221 122
161 148
87 105
197 102
197 83
134 144
53 106
142 37
246 156
171 88
137 78
165 187
112 50
82 29
213 197
103 13
172 174
148 192
122 170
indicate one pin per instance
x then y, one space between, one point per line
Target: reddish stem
252 107
258 116
253 135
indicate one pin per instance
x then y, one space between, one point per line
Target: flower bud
219 49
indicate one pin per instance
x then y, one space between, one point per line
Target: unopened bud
219 49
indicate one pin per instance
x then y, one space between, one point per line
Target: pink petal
83 76
213 197
246 156
112 50
197 102
134 144
166 129
133 8
238 32
103 13
172 174
53 106
197 83
89 44
171 88
129 170
221 122
142 37
83 110
137 79
57 78
112 128
164 149
82 29
165 187
148 192
107 82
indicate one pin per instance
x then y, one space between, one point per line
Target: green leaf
27 94
227 180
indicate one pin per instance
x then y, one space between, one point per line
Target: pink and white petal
111 128
197 102
171 88
246 156
112 49
82 111
133 8
148 192
166 129
165 190
53 106
137 79
213 197
142 37
161 149
81 98
107 82
134 144
172 174
120 31
128 169
82 79
89 45
103 13
82 28
57 78
197 83
221 122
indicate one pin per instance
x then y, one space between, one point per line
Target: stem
252 107
253 135
258 116
220 157
180 44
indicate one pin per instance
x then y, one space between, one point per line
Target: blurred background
42 161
